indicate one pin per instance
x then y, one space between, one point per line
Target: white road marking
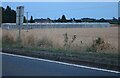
81 66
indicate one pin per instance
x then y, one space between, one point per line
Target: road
14 65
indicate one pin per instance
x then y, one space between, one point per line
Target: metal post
19 25
27 21
19 20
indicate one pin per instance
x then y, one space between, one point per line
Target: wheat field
84 36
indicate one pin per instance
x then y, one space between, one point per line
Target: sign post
27 21
19 18
0 16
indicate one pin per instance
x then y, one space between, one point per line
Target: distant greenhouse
56 25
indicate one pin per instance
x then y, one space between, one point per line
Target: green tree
3 15
31 20
13 16
114 19
118 20
59 19
49 20
63 19
102 20
24 20
8 15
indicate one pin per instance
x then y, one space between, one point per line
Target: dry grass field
88 46
55 37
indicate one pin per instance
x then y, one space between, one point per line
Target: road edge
58 62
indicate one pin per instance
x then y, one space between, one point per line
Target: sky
77 10
60 0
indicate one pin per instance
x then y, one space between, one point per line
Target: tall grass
8 38
68 39
28 40
45 43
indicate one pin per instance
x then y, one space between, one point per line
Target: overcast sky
55 10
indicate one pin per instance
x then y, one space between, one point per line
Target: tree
73 19
13 16
119 19
31 20
102 20
114 19
49 20
24 20
59 19
63 19
3 15
8 15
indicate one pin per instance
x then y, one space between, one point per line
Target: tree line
112 21
9 16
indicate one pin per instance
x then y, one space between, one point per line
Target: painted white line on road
81 66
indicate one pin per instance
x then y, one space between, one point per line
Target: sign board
19 15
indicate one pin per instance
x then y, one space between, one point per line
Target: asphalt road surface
21 66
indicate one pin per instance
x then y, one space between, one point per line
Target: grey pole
19 20
27 21
19 24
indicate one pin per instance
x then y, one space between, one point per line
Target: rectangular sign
19 15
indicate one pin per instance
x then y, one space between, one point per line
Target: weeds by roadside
67 41
99 45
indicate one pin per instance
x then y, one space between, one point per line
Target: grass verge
96 59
